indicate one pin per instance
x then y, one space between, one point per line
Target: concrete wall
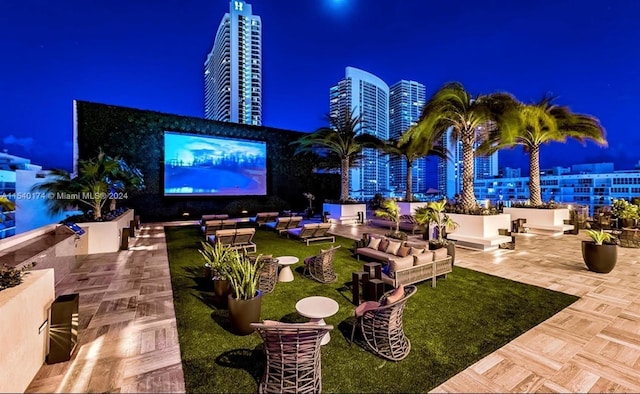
23 347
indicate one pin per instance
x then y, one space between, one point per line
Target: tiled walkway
128 339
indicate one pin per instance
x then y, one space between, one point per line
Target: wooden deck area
128 339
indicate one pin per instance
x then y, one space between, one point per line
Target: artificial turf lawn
467 316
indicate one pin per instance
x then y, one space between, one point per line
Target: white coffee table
285 272
317 308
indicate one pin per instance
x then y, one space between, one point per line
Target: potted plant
435 212
391 211
626 212
245 300
216 268
599 254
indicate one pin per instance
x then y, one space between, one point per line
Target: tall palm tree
470 118
344 137
412 149
540 123
98 180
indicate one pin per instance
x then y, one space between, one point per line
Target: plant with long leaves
434 212
470 120
532 125
345 138
244 275
412 149
599 237
98 181
390 210
217 257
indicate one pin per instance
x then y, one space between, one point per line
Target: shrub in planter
11 277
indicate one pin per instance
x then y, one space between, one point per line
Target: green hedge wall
137 136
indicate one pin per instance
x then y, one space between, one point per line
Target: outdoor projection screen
197 165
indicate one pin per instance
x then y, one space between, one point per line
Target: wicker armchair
382 327
293 357
320 266
629 238
268 272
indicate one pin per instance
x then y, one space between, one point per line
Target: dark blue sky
149 54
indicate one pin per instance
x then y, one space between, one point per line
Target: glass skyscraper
366 95
406 99
233 69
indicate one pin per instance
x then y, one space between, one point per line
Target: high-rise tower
366 95
233 69
406 99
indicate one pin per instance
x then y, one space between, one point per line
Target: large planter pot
599 258
244 312
221 290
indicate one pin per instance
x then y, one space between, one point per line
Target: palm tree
390 210
343 138
413 149
469 118
99 179
541 123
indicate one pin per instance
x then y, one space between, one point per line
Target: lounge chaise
312 232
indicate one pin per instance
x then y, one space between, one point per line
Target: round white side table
285 272
317 308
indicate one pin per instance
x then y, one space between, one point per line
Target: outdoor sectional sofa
408 262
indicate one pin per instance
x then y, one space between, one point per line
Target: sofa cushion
400 264
423 258
373 243
413 250
393 247
440 254
384 244
403 251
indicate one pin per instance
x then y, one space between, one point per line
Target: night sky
149 54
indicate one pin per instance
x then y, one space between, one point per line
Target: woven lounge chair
629 238
320 266
268 272
381 326
293 357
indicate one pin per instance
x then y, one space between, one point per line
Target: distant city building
233 69
368 96
406 100
508 172
17 177
450 171
594 185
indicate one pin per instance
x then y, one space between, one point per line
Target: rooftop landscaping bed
464 318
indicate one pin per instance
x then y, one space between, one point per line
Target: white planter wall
23 348
104 237
483 226
538 216
409 208
345 212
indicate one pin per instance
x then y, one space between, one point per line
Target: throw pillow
393 247
415 250
397 295
440 254
423 258
366 306
373 243
384 244
403 251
